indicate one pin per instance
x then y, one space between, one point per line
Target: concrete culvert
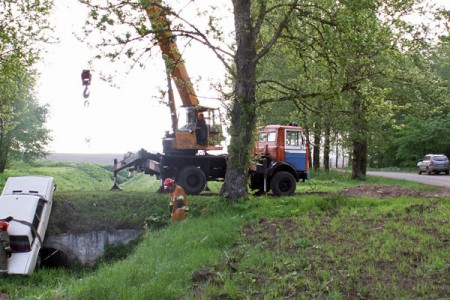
54 258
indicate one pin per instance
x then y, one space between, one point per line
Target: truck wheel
283 184
193 180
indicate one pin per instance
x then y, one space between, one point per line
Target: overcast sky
116 120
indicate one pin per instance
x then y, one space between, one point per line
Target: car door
425 162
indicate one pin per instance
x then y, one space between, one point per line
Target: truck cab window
272 137
186 119
263 137
294 139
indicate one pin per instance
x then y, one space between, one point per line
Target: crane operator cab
199 128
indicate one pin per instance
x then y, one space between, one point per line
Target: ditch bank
83 225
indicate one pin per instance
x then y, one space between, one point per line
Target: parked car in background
26 203
433 163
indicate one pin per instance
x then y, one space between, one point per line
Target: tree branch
277 34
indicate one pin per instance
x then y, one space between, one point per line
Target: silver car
433 163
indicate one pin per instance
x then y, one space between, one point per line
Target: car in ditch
433 163
26 203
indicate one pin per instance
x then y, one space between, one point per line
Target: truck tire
283 184
193 180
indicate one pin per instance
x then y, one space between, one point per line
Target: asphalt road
439 180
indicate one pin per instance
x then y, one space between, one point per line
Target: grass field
317 244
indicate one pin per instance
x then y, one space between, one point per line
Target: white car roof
37 185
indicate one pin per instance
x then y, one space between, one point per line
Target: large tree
251 47
24 30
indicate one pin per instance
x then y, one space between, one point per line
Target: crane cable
86 78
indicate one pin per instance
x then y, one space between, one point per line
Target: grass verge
303 248
307 246
349 249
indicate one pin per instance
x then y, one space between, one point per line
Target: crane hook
86 82
86 92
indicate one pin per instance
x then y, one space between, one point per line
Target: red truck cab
282 159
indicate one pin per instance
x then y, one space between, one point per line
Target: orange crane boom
196 127
169 48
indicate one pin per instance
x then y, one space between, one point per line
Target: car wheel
429 171
283 184
446 172
193 180
419 172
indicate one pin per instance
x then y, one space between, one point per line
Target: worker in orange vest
178 203
5 249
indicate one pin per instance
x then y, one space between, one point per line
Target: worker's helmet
294 124
4 225
168 183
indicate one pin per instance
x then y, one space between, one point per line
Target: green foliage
24 26
118 252
441 62
419 137
30 137
342 66
22 132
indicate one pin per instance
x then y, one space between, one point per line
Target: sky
117 120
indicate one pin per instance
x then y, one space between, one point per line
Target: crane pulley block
86 77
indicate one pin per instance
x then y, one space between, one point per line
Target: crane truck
281 150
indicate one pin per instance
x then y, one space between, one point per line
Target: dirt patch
392 191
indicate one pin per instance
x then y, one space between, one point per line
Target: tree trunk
326 149
359 160
359 149
4 148
316 148
337 150
243 111
308 145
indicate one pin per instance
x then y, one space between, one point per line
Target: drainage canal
82 249
54 258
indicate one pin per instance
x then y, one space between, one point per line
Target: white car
433 163
26 202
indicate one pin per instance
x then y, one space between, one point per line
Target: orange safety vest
178 213
178 191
